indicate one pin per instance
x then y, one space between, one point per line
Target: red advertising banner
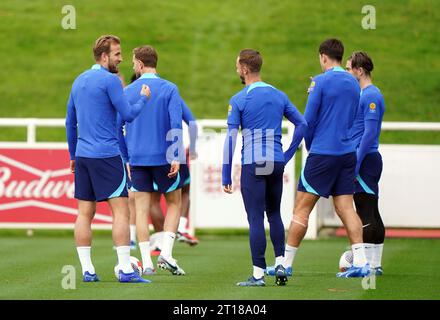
37 189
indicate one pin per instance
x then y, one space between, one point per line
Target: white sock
289 256
279 260
133 232
167 244
144 247
369 253
258 272
378 249
85 259
359 258
182 224
156 240
124 259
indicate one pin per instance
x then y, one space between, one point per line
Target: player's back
336 110
371 107
262 109
146 136
96 117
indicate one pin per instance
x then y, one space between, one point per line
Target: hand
174 170
128 170
228 188
145 91
72 166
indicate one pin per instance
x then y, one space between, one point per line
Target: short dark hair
102 45
333 48
251 59
360 59
146 54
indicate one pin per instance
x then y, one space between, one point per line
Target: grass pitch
31 269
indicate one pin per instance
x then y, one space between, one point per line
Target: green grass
31 269
198 42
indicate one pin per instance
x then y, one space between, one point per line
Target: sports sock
378 249
167 244
359 259
144 247
85 259
156 240
123 253
258 272
279 260
289 256
369 253
182 224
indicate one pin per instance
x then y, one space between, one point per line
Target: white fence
409 185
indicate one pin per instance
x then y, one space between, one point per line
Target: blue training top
330 112
94 102
368 123
259 109
155 137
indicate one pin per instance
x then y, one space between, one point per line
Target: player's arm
229 146
175 115
294 116
71 131
312 110
122 144
119 100
190 120
371 128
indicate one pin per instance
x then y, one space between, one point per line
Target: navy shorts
369 174
185 177
99 179
154 179
328 175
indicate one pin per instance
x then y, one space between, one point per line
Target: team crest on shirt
372 107
311 87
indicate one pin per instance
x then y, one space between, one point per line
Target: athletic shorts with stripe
99 179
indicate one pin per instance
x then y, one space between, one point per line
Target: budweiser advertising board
37 190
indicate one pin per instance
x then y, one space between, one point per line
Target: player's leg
314 182
170 187
365 208
274 190
112 187
166 260
366 201
132 209
86 211
253 190
121 239
156 213
83 237
142 200
182 233
158 220
342 192
304 204
143 186
379 241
